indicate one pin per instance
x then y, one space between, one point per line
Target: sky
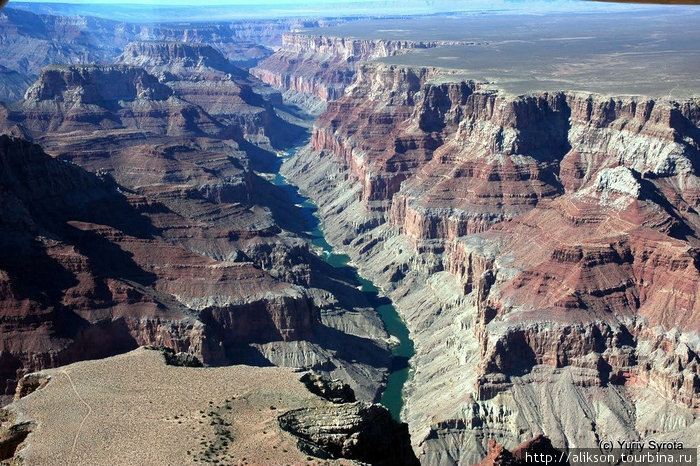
205 10
288 3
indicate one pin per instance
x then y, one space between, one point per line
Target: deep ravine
403 349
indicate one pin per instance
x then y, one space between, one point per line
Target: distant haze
206 10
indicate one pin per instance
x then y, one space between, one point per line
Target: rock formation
97 264
334 391
527 241
31 383
360 431
82 262
201 75
540 445
12 434
33 41
543 248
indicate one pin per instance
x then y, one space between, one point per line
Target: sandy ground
132 409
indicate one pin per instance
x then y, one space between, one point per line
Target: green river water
399 372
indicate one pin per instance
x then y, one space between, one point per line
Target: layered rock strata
202 76
540 445
354 430
33 41
323 66
86 275
334 391
166 235
533 244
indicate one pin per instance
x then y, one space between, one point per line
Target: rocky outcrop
12 434
180 359
361 431
334 390
31 383
546 239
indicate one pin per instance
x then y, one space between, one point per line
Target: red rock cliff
568 222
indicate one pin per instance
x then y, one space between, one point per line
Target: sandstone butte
542 249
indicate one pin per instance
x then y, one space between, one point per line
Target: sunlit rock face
533 244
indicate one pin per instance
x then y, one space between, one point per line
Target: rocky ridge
199 74
547 238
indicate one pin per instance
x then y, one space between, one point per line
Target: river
399 372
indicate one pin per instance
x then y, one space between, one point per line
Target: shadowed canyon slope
159 230
534 244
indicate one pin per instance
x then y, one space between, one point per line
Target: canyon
537 231
535 244
143 218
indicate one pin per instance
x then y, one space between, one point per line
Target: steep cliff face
548 238
324 66
177 58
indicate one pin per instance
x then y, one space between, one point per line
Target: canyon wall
138 216
85 275
323 66
534 244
